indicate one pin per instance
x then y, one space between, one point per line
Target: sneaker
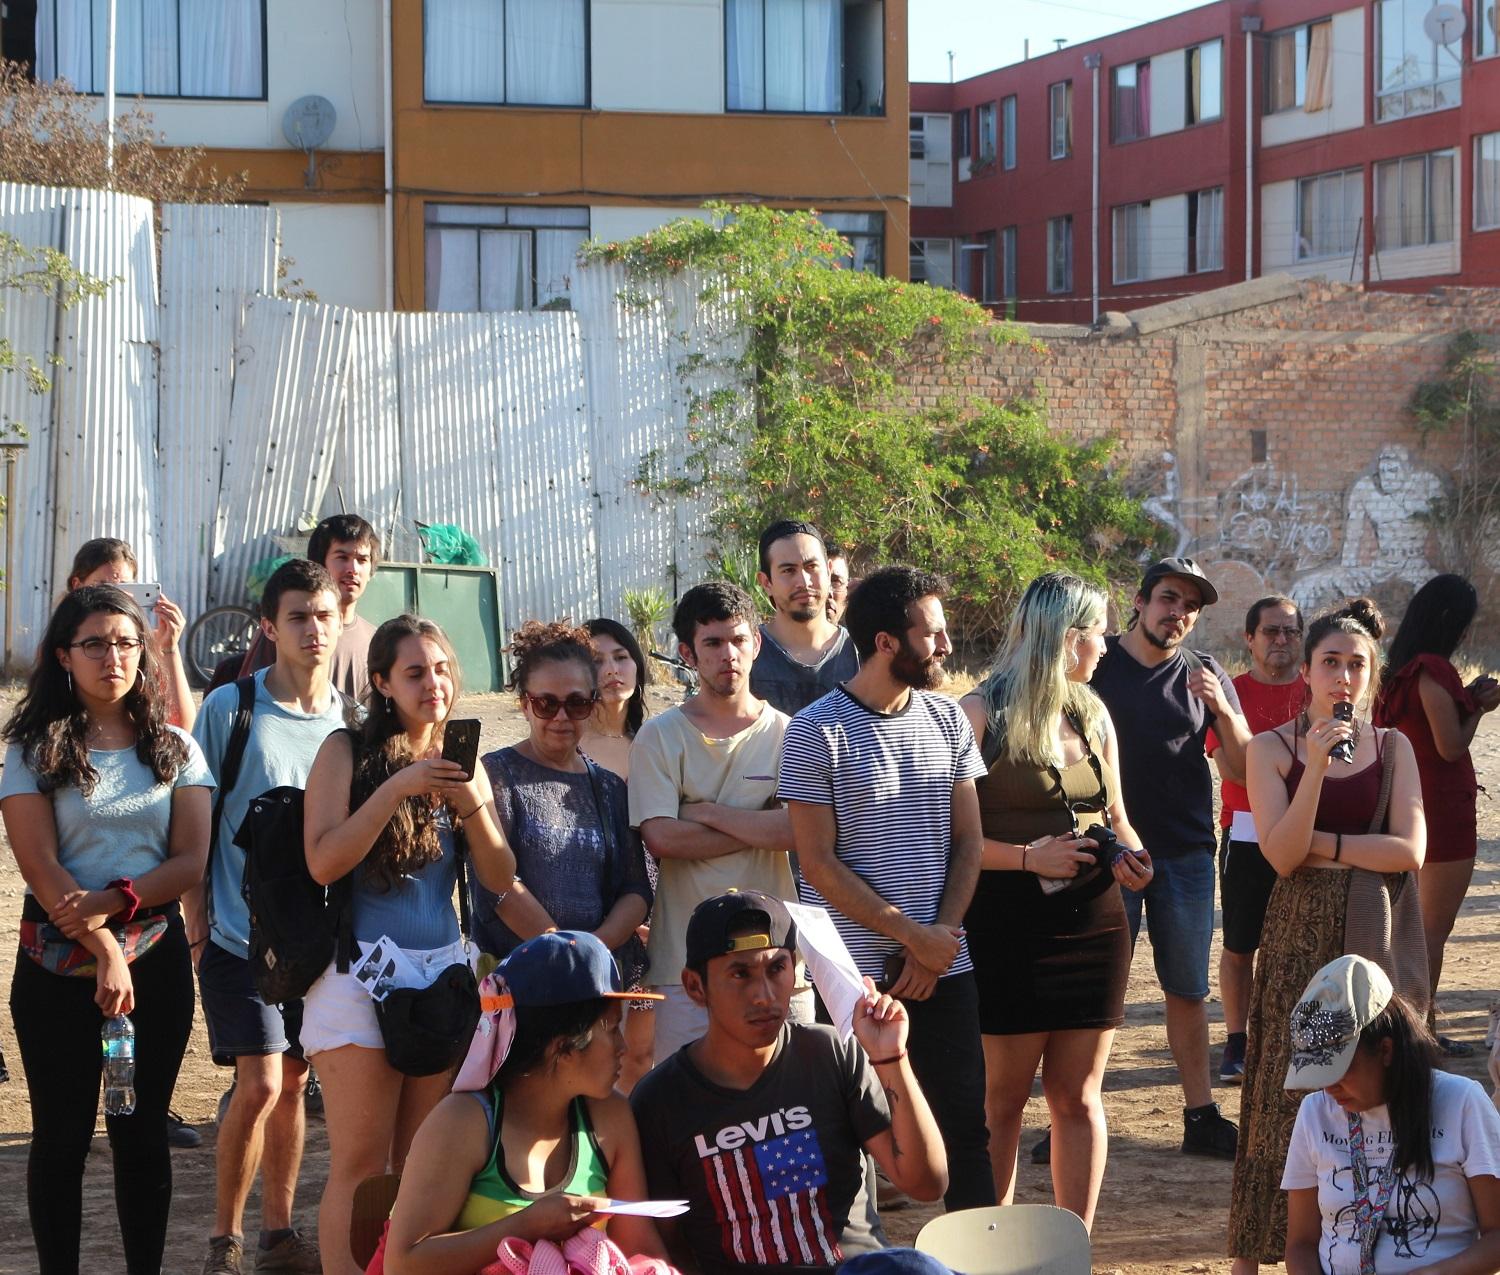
1206 1132
224 1101
226 1255
294 1255
1232 1061
1451 1048
181 1134
313 1099
1042 1152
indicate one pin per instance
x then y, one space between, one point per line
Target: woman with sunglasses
1047 929
107 810
579 864
385 808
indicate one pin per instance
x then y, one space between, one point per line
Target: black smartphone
461 743
890 970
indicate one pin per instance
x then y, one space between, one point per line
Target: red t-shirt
1265 707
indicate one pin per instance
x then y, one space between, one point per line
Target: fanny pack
428 1030
56 953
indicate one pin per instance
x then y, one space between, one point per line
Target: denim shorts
1179 907
239 1023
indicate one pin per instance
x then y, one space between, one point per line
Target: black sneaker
1206 1132
181 1134
1041 1153
313 1098
1232 1062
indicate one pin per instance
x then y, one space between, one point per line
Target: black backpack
296 925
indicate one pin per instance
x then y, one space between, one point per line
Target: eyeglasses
95 648
577 707
1276 632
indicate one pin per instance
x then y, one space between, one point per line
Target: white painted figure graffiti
1164 508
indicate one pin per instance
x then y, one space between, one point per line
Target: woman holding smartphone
107 810
382 804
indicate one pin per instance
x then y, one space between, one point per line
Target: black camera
1109 844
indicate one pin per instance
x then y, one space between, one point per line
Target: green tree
811 420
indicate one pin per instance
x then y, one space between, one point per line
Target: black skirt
1048 962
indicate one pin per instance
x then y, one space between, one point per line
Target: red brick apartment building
1359 143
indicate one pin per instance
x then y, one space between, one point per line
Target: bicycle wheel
216 635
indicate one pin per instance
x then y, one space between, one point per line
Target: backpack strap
341 892
229 774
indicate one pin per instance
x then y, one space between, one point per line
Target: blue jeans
1179 908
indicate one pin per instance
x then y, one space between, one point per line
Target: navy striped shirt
889 778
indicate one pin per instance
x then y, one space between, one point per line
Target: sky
984 34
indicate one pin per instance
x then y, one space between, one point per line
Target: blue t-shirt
121 828
417 911
1161 725
280 751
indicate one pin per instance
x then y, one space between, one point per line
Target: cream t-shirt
672 764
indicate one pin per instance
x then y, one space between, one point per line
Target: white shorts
338 1011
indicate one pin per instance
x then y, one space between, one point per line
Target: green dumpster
465 601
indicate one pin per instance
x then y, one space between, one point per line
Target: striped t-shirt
889 778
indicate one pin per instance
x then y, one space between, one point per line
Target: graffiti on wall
1272 530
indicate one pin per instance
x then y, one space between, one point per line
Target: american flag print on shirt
772 1202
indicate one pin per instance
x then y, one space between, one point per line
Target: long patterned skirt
1304 930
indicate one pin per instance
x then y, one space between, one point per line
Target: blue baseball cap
562 968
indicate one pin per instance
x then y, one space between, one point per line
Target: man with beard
703 794
804 653
1271 693
760 1123
1162 698
878 777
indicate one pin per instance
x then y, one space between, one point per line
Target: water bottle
118 1040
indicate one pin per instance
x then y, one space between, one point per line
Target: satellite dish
309 121
1444 23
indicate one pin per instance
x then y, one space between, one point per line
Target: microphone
1343 751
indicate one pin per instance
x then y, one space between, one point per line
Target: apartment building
1355 142
475 144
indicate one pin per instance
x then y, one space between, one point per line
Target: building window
1417 74
816 57
1130 102
986 130
1205 228
932 262
1060 254
506 52
1008 131
492 257
961 142
1132 243
931 167
163 48
1487 182
1205 87
1060 112
1299 68
866 235
1329 209
1486 28
1008 262
1414 201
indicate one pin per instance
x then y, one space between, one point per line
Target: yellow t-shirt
672 764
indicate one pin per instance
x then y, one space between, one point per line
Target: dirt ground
1160 1212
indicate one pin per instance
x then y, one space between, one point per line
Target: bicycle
215 636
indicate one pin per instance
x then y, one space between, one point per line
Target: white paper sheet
384 968
644 1208
833 971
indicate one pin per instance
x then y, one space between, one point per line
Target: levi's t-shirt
770 1172
672 764
1424 1222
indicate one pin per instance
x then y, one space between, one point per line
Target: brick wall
1267 425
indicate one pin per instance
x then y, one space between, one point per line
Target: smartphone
890 970
461 743
145 594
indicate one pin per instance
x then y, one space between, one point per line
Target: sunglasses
577 707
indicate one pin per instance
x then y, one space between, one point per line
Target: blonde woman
1047 929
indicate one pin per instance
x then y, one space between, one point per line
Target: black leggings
57 1025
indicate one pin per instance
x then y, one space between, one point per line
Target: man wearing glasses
703 794
1271 694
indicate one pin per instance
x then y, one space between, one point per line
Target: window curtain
221 48
1130 254
544 52
1143 100
1319 94
71 35
1283 72
556 262
1487 181
1210 80
452 269
1388 205
462 40
823 53
1210 229
504 270
1126 112
745 31
1443 228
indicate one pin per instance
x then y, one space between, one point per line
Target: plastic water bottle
118 1040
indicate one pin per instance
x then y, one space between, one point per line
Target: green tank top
494 1194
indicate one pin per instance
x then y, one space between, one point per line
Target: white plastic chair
1011 1239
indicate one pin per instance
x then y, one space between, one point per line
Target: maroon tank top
1346 803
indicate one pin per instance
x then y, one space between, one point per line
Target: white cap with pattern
1344 997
